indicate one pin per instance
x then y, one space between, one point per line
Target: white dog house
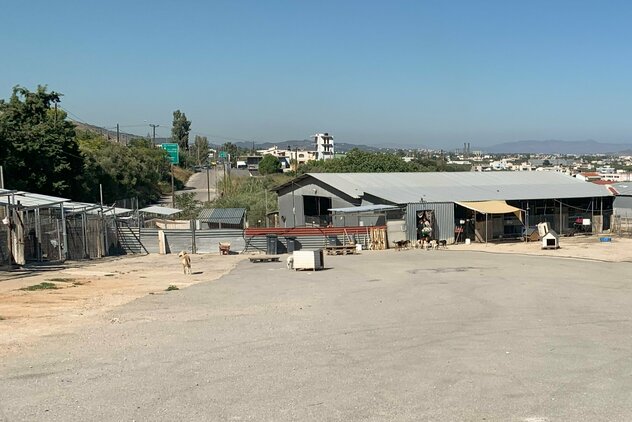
551 240
308 260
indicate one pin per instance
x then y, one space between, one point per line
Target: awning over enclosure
93 209
28 201
492 207
222 215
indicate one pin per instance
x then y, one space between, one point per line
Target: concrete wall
206 241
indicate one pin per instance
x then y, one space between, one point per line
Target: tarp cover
492 207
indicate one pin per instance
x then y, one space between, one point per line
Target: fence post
64 230
193 244
58 239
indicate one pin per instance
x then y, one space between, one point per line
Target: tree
200 150
180 130
138 170
38 149
358 161
269 164
232 150
189 205
254 194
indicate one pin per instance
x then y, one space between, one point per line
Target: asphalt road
384 336
204 185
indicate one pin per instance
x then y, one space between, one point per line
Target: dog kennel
550 240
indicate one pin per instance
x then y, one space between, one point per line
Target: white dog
290 262
185 260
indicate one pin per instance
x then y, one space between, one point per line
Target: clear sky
423 73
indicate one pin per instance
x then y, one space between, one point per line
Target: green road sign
223 154
173 151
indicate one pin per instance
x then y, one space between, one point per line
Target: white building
299 157
619 176
324 146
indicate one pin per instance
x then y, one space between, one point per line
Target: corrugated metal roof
222 215
364 208
89 208
154 209
32 200
402 188
78 207
624 188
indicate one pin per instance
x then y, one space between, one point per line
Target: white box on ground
309 260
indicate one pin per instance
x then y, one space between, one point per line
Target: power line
162 125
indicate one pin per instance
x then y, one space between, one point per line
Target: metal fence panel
207 241
259 243
149 239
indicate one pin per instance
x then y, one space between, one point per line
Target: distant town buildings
324 146
598 169
291 157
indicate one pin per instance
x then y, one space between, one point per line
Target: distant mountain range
302 144
525 147
559 147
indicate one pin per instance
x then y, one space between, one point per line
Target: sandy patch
580 247
84 291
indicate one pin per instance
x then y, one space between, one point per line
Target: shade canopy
492 207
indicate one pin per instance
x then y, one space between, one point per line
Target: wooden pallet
340 250
265 258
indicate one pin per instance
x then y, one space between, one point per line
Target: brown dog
185 260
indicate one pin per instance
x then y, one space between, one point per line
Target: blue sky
418 73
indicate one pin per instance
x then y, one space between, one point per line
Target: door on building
316 210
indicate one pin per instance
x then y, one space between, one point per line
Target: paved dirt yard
412 335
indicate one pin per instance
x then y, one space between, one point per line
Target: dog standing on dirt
290 262
185 260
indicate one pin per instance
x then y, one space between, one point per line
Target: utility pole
224 178
153 138
118 134
208 184
173 191
293 205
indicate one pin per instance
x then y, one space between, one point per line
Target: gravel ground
383 336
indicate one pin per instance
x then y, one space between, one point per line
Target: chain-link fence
43 239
